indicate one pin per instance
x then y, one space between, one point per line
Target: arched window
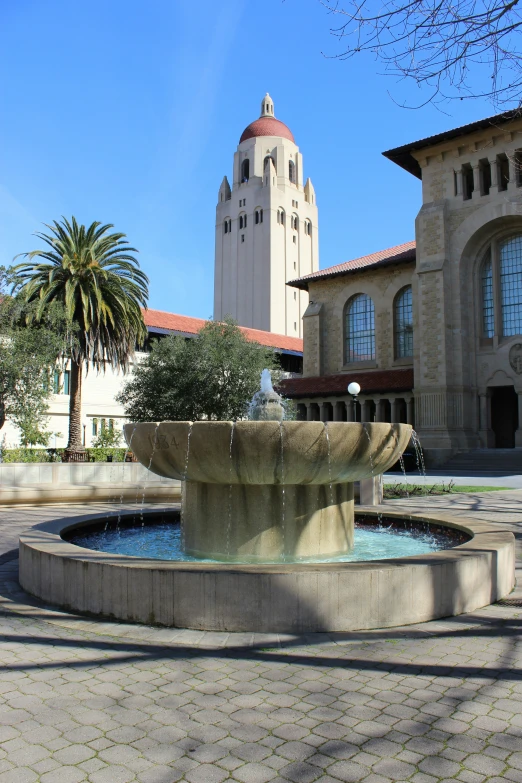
291 171
258 216
500 280
488 314
308 228
404 323
242 222
245 170
225 227
267 161
360 329
281 216
511 286
294 222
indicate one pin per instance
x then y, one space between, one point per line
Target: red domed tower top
267 125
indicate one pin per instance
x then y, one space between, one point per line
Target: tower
266 230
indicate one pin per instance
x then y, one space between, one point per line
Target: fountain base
259 522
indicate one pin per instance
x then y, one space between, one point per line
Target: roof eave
303 283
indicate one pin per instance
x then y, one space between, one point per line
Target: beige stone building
266 230
431 330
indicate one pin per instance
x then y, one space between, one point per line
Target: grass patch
398 490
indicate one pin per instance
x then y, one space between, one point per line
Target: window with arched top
359 329
281 216
291 171
403 317
308 228
245 170
501 288
258 216
294 222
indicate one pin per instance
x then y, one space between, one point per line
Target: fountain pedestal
257 491
252 523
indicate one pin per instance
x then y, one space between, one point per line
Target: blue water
162 541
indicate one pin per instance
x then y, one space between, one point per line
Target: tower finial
267 106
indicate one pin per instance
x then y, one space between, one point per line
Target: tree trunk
75 443
2 413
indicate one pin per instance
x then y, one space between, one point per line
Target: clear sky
129 112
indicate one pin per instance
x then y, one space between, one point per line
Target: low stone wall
285 598
59 482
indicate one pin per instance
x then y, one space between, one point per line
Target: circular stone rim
208 596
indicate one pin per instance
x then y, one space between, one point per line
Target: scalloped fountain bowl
258 491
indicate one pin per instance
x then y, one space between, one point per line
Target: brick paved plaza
111 703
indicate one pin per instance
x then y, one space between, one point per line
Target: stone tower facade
266 230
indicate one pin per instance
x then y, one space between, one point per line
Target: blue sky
129 112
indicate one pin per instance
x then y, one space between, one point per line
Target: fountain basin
267 490
285 598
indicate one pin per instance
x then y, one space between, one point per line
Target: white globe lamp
354 389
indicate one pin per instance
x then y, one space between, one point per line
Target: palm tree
102 289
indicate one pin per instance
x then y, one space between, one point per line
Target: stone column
349 410
458 180
393 411
309 411
379 410
512 184
494 175
325 410
371 491
477 190
486 434
518 433
409 411
365 410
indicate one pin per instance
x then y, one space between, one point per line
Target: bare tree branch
448 46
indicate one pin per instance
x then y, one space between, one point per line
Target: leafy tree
213 376
94 275
454 48
108 437
28 355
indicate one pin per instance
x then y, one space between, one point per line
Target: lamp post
354 389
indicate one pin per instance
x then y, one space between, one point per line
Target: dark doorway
504 416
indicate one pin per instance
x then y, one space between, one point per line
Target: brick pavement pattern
113 703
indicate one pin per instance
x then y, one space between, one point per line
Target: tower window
240 222
281 216
485 176
291 171
267 160
242 237
468 185
295 239
245 170
258 216
502 171
308 228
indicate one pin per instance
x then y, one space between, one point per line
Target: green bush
25 455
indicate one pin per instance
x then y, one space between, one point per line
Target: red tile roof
185 324
369 381
267 126
392 255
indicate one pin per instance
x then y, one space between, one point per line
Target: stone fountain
267 506
266 489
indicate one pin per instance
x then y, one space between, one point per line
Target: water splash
329 452
185 473
419 455
403 468
266 382
147 478
127 451
229 524
283 498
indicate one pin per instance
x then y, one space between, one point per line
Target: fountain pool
161 539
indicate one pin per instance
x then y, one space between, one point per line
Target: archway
504 416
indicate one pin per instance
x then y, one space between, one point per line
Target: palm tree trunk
75 409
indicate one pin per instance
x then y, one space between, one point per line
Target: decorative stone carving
515 358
